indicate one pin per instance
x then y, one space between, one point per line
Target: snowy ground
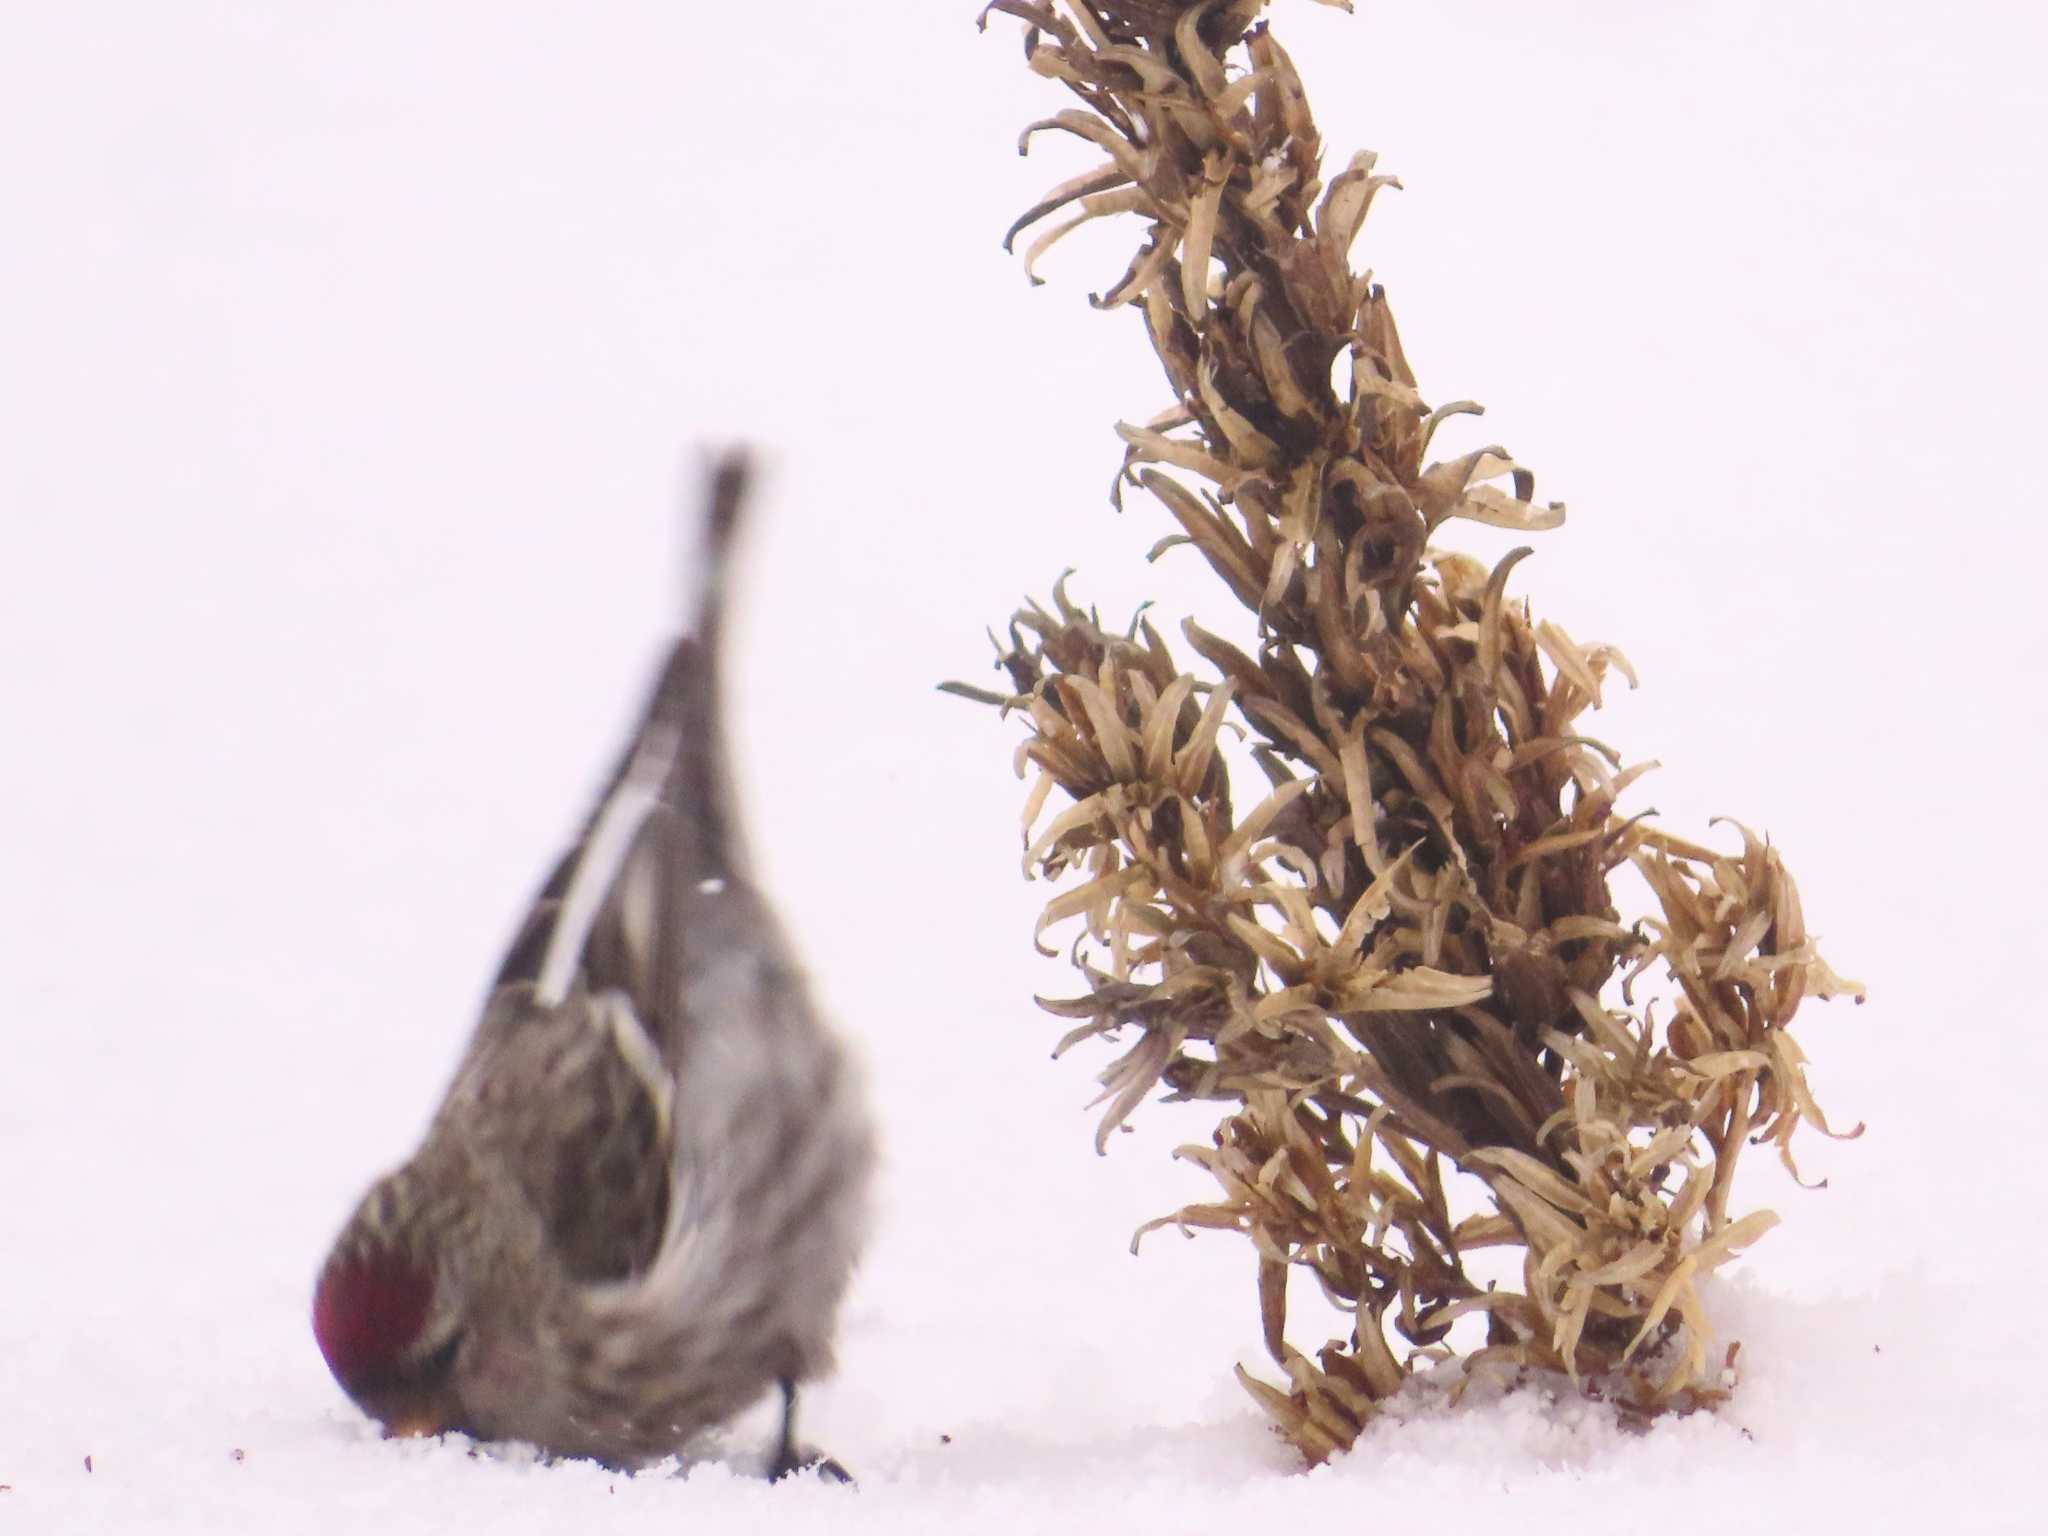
351 360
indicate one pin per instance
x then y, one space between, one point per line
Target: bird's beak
409 1415
417 1422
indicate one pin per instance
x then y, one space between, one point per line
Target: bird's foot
791 1458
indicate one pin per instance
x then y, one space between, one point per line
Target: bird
639 1204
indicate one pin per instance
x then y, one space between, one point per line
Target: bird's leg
789 1456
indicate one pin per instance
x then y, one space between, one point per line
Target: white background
352 364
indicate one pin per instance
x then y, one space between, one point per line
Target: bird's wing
591 992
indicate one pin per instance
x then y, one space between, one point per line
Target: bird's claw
827 1467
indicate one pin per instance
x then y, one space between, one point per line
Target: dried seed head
1396 966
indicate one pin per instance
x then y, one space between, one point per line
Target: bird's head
389 1324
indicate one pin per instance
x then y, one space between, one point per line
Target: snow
353 359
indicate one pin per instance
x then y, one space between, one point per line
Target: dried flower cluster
1403 964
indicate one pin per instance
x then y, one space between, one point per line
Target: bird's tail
668 817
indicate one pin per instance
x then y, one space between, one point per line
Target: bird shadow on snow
727 1453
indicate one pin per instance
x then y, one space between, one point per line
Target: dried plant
1404 963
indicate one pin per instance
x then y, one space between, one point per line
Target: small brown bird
638 1206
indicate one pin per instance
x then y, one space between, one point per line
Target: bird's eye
432 1369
